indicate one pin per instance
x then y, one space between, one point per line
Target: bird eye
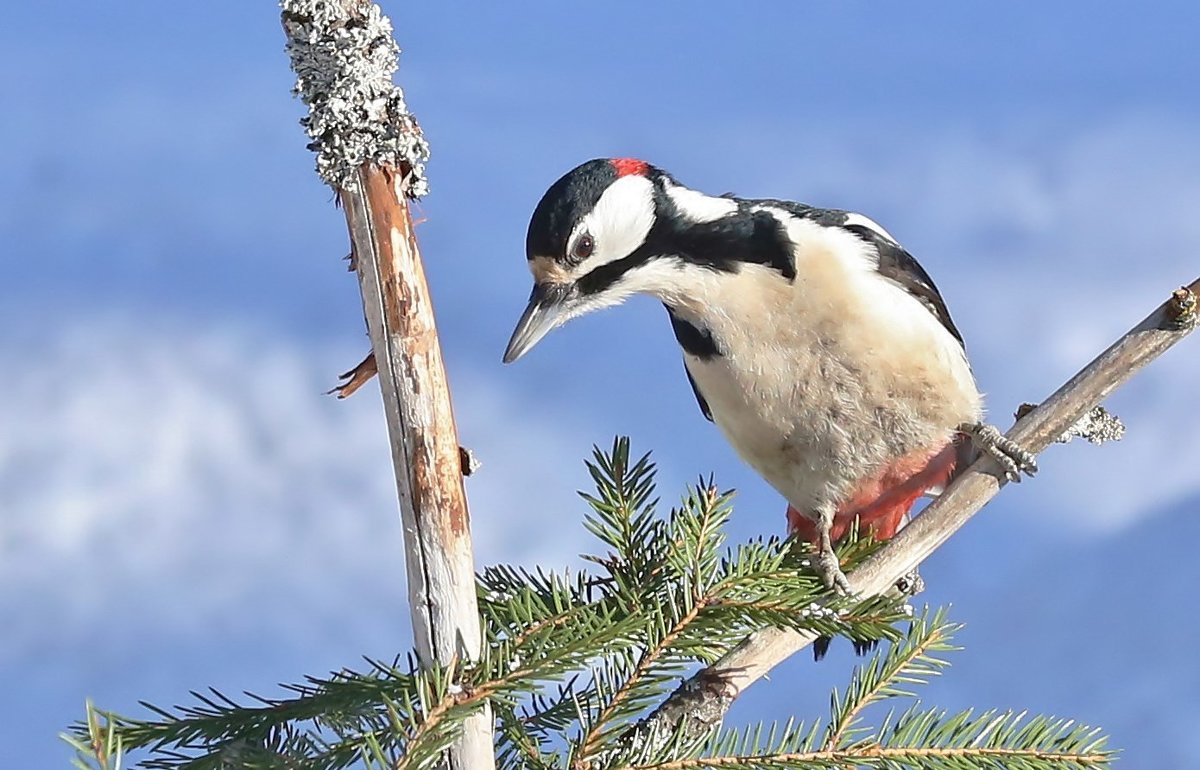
583 247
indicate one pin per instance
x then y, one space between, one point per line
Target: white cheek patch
699 207
619 223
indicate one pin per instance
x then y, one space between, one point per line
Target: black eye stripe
604 276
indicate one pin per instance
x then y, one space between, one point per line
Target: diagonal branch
700 703
898 756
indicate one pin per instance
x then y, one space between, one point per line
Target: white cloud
179 473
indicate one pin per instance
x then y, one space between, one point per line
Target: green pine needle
573 661
892 674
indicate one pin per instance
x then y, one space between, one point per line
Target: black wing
699 397
895 264
699 343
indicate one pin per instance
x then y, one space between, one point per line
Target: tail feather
821 647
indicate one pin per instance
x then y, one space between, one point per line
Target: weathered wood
370 150
702 701
420 421
419 417
363 372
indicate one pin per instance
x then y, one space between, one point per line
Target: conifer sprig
573 660
911 661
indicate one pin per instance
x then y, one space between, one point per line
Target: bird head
586 244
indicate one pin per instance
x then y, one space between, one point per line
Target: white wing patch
815 241
845 267
697 206
862 221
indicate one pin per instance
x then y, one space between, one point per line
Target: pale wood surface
420 422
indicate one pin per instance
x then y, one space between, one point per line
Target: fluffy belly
832 432
822 383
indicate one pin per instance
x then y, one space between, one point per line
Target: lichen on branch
344 57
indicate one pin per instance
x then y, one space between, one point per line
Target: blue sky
181 506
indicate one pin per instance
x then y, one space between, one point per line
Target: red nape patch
627 166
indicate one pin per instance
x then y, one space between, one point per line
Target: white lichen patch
1097 427
344 57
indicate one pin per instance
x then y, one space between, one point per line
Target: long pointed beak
549 306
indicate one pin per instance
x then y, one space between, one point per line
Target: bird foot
825 563
1007 453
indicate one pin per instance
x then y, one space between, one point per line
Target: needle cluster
574 661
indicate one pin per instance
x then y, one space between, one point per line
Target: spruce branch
623 701
1063 755
910 662
918 738
623 517
702 536
698 704
571 660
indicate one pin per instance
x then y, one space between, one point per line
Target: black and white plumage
819 346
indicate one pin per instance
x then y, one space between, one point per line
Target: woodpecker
821 349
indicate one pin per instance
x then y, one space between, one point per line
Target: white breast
822 380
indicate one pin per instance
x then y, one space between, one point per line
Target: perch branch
701 702
371 151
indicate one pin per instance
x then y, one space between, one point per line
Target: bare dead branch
371 151
701 702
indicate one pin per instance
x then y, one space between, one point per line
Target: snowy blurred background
181 506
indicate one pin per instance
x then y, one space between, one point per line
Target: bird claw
1009 455
829 569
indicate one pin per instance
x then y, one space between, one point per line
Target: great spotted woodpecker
819 346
